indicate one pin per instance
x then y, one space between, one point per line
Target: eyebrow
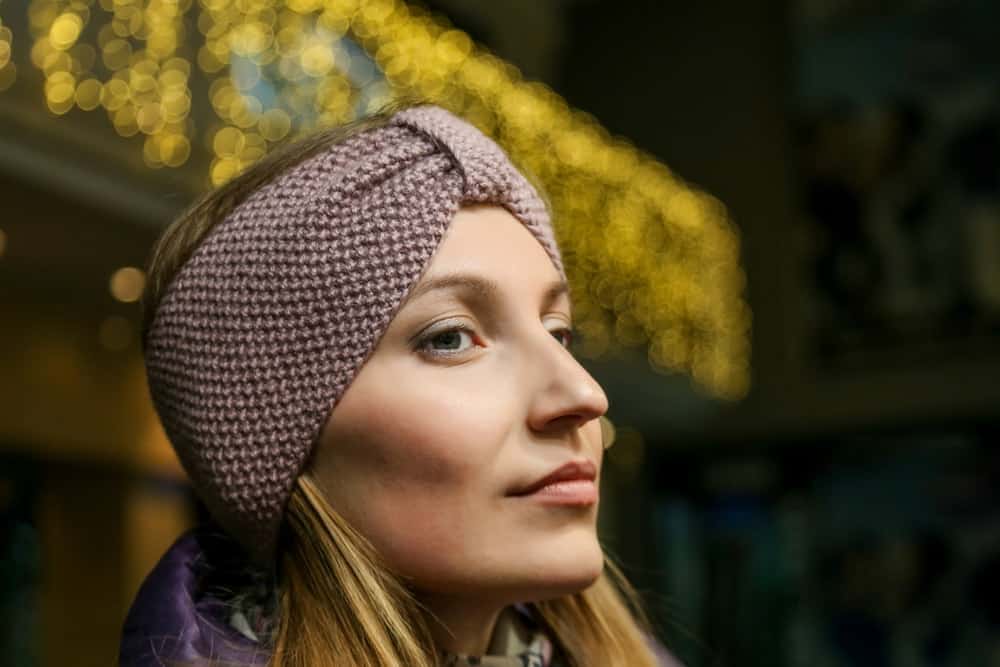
483 288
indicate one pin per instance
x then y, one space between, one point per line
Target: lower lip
574 493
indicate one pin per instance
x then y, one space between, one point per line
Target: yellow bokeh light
125 121
222 94
316 59
175 149
178 65
303 6
176 105
653 262
334 94
453 47
274 124
126 284
149 118
162 43
8 75
88 94
116 54
244 110
224 169
141 81
254 148
229 142
128 21
151 152
39 51
65 31
250 39
334 20
288 41
114 94
60 88
4 53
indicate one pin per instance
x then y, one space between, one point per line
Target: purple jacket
173 619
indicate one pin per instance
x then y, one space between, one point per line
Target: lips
564 475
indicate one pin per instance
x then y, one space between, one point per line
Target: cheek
415 473
427 437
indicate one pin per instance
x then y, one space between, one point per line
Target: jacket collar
173 620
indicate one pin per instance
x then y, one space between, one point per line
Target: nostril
568 422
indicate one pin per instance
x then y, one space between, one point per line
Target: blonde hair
338 604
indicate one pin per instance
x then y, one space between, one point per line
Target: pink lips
571 484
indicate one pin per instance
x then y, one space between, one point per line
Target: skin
470 395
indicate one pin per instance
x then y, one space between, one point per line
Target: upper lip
574 470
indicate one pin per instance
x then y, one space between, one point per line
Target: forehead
489 240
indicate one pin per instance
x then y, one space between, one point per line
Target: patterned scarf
517 642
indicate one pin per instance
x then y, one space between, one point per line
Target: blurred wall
75 418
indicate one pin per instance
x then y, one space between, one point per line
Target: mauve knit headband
267 323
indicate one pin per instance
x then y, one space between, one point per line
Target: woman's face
436 451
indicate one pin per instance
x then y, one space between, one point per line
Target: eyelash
422 344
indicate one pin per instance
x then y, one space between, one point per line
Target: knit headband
264 327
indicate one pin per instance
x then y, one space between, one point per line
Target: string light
652 261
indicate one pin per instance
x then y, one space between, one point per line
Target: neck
459 625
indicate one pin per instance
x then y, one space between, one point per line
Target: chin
566 569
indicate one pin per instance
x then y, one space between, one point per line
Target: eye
564 335
450 341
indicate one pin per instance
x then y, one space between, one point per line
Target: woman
358 350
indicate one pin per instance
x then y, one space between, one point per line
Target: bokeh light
127 283
654 263
65 30
4 53
8 75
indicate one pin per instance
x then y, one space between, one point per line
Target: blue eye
449 341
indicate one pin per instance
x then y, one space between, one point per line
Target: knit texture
265 326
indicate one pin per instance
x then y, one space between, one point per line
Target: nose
566 396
